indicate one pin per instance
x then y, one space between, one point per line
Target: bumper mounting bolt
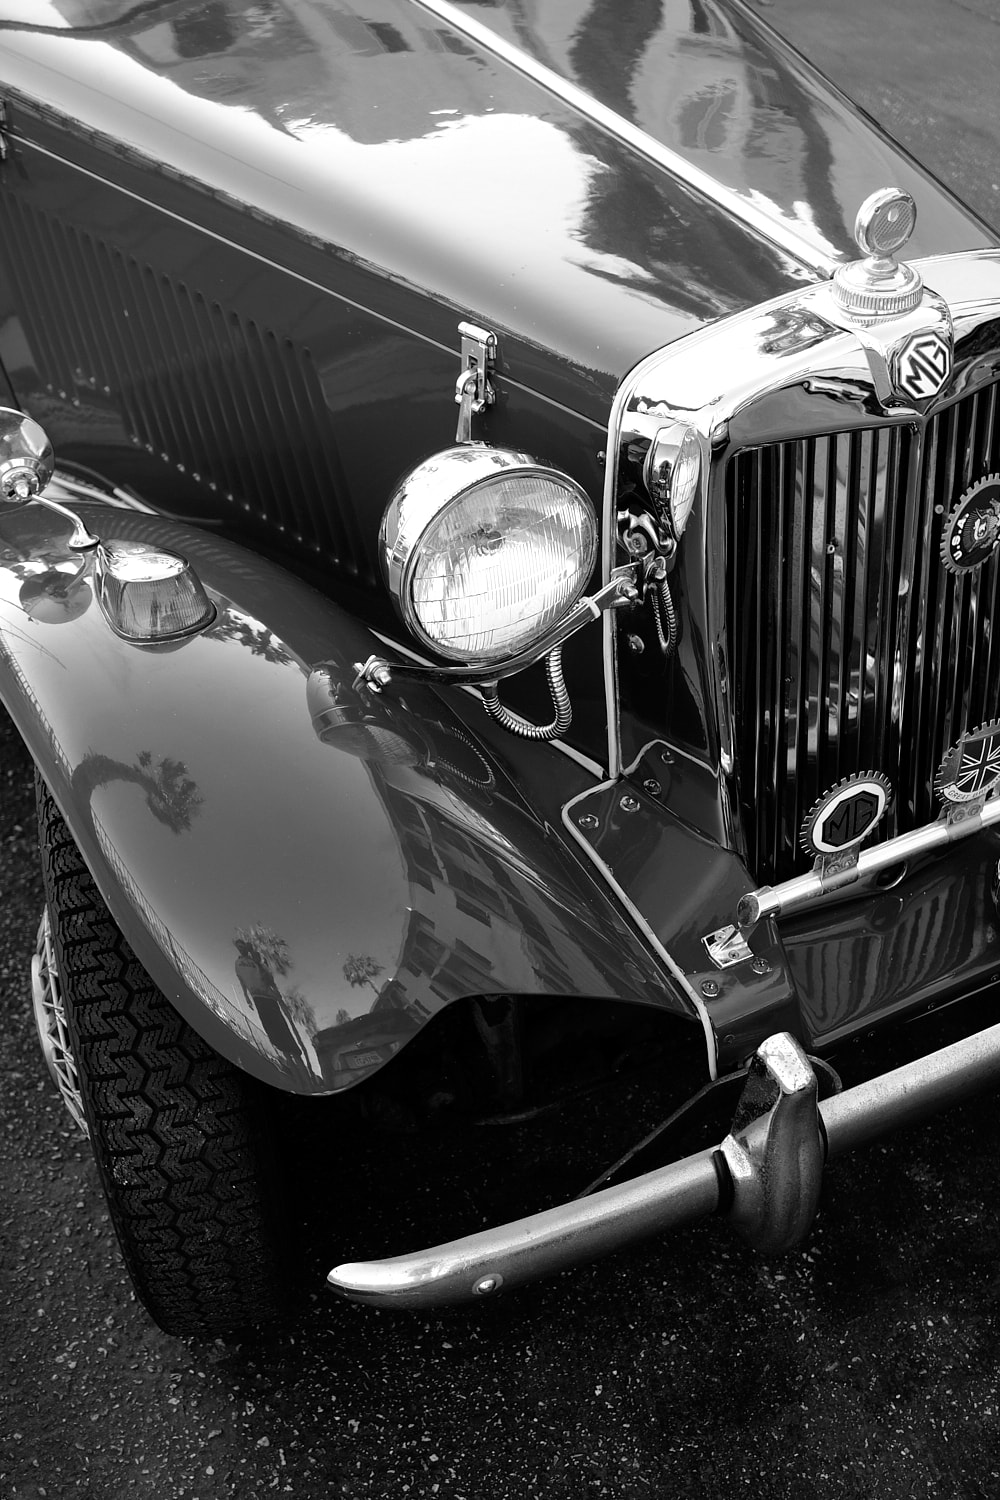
588 821
651 786
710 988
629 803
761 966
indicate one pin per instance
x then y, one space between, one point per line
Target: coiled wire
524 727
664 617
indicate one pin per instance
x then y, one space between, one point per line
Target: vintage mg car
499 543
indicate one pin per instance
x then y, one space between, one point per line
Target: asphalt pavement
864 1364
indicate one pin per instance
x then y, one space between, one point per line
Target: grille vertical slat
870 654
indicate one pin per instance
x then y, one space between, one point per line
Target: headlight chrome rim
423 498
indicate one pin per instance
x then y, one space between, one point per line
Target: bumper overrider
764 1177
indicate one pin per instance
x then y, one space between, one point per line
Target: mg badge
972 531
923 364
845 816
971 769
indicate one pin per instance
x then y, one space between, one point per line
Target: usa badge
972 530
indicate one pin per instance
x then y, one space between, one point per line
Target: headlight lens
483 550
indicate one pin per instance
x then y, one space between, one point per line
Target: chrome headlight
484 550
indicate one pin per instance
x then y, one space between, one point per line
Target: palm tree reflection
172 795
261 954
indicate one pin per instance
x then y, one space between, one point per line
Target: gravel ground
863 1364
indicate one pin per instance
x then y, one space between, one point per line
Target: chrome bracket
647 539
775 1151
474 388
377 673
727 946
949 828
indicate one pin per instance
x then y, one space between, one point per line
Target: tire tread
179 1133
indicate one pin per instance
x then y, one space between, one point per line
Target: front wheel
181 1138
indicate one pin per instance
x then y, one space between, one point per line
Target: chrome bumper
765 1176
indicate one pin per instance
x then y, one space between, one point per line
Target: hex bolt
709 988
651 786
488 1284
761 966
588 821
629 803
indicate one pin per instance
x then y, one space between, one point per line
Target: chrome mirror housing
26 458
27 463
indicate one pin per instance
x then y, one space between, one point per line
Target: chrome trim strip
640 921
499 1258
594 767
768 226
772 901
445 348
379 673
71 489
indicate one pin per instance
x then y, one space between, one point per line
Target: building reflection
255 966
480 916
689 72
892 946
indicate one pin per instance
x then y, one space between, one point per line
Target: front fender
308 872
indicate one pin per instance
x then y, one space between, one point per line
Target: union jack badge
970 771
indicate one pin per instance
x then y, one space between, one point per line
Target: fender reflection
309 873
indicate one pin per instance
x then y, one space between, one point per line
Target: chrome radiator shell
821 634
853 647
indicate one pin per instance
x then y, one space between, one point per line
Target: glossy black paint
401 147
235 246
288 857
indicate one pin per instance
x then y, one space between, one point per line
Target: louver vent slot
233 404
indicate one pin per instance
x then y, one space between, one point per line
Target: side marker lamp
672 474
149 594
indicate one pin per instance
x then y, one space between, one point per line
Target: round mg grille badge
846 814
971 769
972 530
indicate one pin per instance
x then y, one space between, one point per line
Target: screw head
588 821
651 786
709 988
636 644
629 803
761 966
487 1284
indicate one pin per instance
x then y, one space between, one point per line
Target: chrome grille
851 646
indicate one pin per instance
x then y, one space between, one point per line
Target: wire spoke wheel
50 1019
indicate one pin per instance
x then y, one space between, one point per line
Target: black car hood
414 150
